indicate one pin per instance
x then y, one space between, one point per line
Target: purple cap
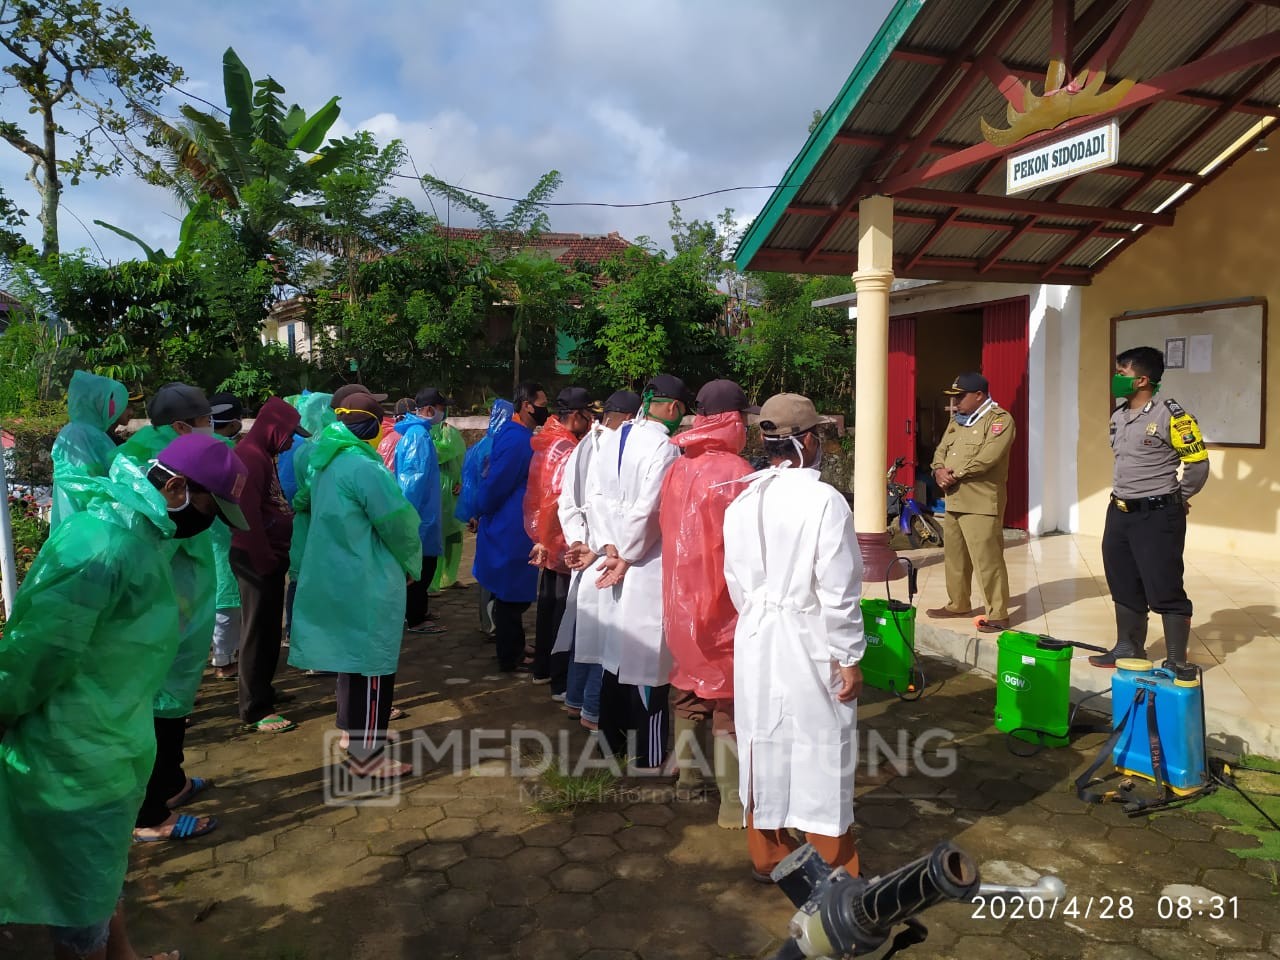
211 465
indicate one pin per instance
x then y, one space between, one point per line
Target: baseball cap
431 397
225 408
178 401
405 405
347 389
210 464
721 396
623 401
788 414
573 398
362 414
968 383
671 388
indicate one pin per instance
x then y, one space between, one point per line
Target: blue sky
631 102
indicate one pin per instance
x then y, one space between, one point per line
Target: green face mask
1122 387
671 425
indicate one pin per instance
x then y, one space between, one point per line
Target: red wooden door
1005 353
902 397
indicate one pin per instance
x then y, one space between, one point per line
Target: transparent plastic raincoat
450 450
552 447
418 473
697 613
195 581
475 466
348 616
316 415
83 448
93 631
227 593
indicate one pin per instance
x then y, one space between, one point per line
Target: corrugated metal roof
904 70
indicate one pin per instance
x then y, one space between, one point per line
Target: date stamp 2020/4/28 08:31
1103 908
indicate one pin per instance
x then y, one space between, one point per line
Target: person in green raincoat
450 449
226 415
362 543
84 448
93 630
177 409
317 414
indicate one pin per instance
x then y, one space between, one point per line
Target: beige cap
788 414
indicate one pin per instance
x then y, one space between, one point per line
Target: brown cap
347 389
788 414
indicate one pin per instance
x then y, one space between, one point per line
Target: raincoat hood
411 420
316 414
723 432
274 426
501 412
94 400
553 431
333 440
124 497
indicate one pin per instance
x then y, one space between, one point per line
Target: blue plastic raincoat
348 615
475 464
94 628
502 545
83 447
418 473
195 581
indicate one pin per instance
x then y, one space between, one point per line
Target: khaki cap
788 414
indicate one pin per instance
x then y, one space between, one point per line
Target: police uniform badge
997 428
1152 429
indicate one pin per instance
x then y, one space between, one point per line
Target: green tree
542 293
527 217
74 57
10 216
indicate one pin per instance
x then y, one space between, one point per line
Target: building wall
1222 247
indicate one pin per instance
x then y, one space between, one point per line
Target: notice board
1215 363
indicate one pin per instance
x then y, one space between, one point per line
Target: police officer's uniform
973 525
1147 523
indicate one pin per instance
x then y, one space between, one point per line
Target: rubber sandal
271 724
198 786
397 714
187 827
427 628
218 674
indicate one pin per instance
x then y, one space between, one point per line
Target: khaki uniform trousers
974 543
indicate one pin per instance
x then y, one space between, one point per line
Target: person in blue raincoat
93 630
475 465
502 545
84 447
362 544
417 471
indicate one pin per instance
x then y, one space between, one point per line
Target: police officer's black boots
1131 637
1177 634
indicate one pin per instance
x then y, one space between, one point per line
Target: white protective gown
624 484
580 625
795 574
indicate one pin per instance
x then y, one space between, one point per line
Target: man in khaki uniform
971 465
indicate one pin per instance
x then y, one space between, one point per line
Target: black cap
573 398
178 401
624 401
431 397
226 408
347 389
721 396
405 405
669 387
968 383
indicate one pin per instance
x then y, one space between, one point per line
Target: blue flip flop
198 786
187 828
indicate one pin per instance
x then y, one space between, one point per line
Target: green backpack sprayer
890 662
1033 688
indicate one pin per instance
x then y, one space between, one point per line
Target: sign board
1079 153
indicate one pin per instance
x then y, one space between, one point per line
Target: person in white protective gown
579 633
624 485
794 573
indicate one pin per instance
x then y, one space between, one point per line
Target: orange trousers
768 848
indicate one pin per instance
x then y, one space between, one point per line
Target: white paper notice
1200 354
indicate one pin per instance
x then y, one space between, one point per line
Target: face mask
540 415
203 431
1122 387
437 418
817 460
190 521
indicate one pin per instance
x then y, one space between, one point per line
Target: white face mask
817 461
203 431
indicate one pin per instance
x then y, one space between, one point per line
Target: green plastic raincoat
227 592
450 449
83 448
348 615
195 581
94 628
316 415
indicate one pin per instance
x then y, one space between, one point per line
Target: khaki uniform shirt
979 457
1149 444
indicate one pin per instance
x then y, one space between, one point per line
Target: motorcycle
905 515
839 915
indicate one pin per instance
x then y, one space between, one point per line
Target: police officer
1147 517
971 465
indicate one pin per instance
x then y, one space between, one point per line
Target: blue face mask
969 419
